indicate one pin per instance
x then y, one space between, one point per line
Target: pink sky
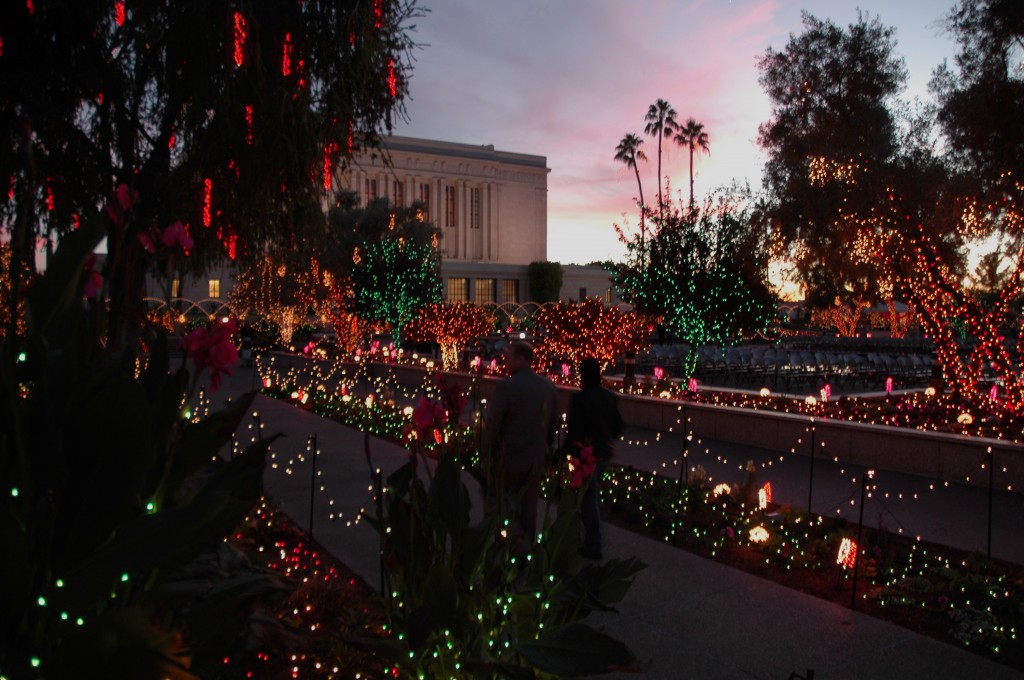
566 79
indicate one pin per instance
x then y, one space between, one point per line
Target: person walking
522 417
594 419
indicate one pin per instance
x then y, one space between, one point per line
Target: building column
485 219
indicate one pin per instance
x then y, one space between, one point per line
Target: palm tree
661 120
693 136
629 152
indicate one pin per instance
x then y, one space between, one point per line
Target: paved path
685 616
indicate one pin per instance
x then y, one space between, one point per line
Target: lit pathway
686 616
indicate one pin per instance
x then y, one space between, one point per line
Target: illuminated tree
393 279
451 326
573 331
273 290
229 117
693 136
705 274
831 134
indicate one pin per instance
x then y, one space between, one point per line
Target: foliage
226 117
393 280
267 291
545 280
450 325
832 134
462 605
984 92
693 136
574 331
704 275
107 490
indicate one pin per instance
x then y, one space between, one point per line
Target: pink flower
582 467
213 347
123 200
93 280
176 233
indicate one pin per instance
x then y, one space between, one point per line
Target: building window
398 194
449 206
370 186
175 288
583 294
474 208
458 290
484 290
608 295
214 288
510 290
425 200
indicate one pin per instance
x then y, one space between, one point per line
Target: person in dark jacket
594 419
522 417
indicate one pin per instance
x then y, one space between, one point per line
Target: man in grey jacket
522 417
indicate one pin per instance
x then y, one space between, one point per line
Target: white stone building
491 208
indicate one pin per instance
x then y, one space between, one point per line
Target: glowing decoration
929 391
759 534
846 557
329 151
566 370
248 124
692 384
658 372
765 392
451 326
576 330
392 78
826 392
965 418
286 56
241 34
764 496
844 318
494 365
722 489
811 400
268 382
993 393
888 385
119 14
822 170
207 201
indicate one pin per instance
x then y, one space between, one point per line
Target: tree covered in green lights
702 271
384 258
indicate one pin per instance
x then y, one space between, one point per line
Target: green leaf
441 597
201 441
576 649
449 502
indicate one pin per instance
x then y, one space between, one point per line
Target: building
491 208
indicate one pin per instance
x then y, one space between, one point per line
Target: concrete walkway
685 616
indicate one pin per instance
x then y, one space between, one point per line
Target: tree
629 152
545 281
385 258
451 326
832 146
228 117
574 331
977 101
660 122
705 277
694 138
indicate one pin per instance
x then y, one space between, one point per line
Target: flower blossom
213 348
176 233
581 467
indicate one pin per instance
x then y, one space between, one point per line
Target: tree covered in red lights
450 325
227 117
572 331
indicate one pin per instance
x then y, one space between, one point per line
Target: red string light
286 56
241 34
248 124
207 200
119 13
392 78
329 152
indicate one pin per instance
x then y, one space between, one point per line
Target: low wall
941 456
